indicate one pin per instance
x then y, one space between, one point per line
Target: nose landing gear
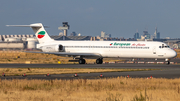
167 61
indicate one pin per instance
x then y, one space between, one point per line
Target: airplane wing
69 53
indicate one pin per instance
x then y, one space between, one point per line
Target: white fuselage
121 49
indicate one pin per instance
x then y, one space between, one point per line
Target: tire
99 61
82 61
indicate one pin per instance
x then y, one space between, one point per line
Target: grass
36 58
114 89
178 53
38 71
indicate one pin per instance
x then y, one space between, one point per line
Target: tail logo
41 34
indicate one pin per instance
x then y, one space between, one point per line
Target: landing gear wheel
82 61
167 61
99 61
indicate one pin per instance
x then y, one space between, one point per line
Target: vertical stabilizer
39 31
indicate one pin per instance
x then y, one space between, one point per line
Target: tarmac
164 71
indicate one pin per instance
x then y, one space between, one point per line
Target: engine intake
61 48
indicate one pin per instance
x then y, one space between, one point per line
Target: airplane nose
173 54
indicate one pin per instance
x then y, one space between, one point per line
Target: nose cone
170 53
173 54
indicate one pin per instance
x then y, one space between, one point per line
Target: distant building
156 34
146 35
7 37
167 38
107 35
61 34
136 35
65 27
79 34
18 42
14 45
104 35
73 34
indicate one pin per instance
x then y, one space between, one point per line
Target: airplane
98 50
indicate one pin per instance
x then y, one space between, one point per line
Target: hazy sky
120 18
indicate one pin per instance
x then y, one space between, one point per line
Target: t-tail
39 31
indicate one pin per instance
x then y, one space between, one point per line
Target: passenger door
154 50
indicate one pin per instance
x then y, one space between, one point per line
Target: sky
120 18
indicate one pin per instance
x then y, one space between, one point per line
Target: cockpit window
163 46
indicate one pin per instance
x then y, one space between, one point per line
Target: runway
165 71
116 65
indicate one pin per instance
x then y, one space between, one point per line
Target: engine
53 48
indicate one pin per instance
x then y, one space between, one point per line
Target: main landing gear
98 61
82 61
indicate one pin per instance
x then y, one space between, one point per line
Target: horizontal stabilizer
31 25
